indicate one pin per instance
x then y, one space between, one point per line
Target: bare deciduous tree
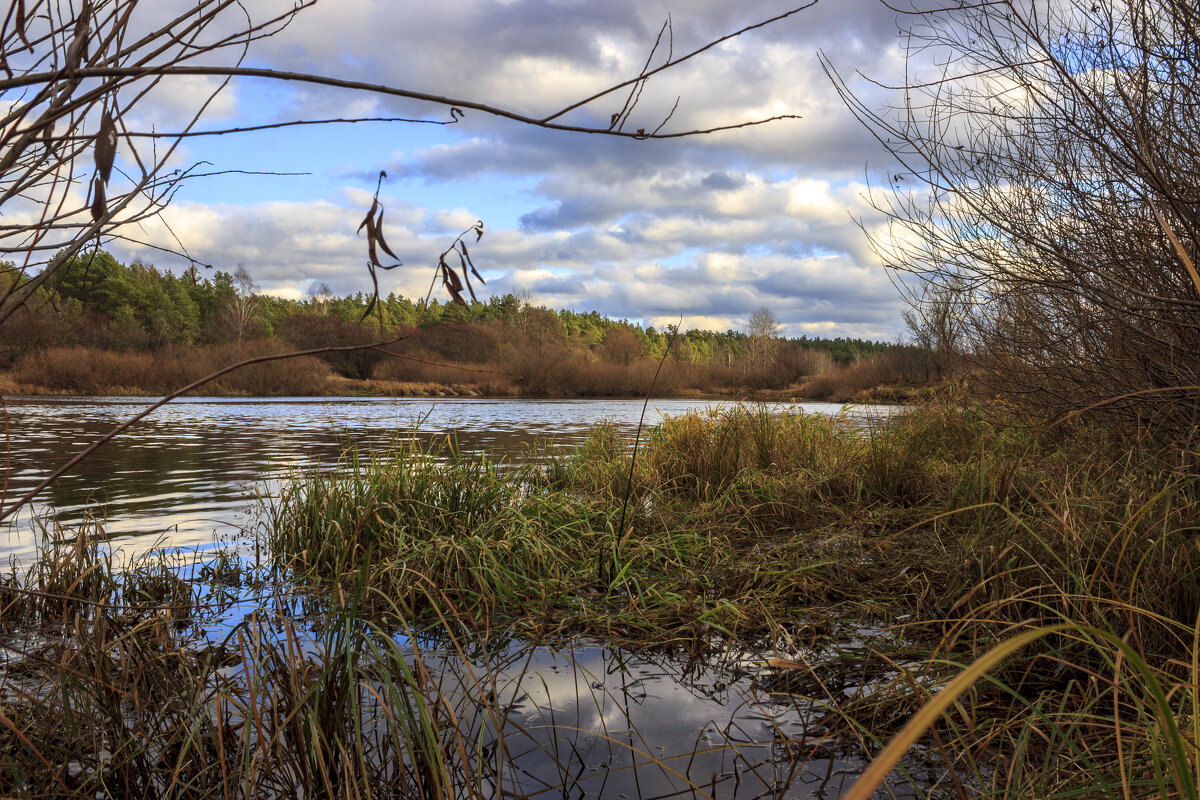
1049 179
242 304
935 319
319 297
763 330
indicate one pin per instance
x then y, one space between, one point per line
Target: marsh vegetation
835 576
993 594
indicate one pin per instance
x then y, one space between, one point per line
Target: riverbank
335 386
734 531
95 372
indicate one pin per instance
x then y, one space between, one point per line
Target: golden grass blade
920 722
1183 256
1195 689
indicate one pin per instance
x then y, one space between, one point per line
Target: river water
581 720
187 476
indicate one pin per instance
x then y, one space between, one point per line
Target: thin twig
39 78
641 421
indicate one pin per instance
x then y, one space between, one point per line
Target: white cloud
712 227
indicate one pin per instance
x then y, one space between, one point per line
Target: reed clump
980 533
113 686
430 528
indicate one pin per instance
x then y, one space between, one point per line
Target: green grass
743 522
1044 585
737 518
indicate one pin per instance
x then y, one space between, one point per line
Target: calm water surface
585 720
187 475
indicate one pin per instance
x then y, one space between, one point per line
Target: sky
707 229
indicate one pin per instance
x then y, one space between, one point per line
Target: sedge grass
1046 584
123 703
990 535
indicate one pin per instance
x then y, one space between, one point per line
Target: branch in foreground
135 73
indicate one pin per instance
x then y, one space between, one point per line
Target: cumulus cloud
711 228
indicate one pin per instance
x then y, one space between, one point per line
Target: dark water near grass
579 720
187 476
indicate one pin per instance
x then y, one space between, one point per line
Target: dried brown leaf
451 281
77 52
374 294
370 308
106 145
474 271
99 202
382 242
463 263
369 220
21 26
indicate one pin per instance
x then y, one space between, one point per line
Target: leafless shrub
1048 182
621 346
89 370
871 378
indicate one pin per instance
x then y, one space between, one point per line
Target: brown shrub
902 366
88 370
403 370
287 377
310 331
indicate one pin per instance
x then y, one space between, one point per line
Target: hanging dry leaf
77 52
375 240
21 24
383 242
106 146
463 263
369 220
785 663
372 256
99 202
451 281
467 255
374 293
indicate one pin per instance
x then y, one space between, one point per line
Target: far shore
349 388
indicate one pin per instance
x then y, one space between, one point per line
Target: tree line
98 302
